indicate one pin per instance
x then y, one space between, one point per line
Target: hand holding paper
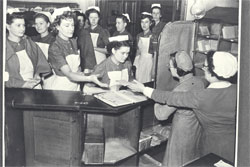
136 86
94 78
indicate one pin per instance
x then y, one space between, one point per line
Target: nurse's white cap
225 64
146 13
46 14
11 10
127 16
58 12
94 7
157 5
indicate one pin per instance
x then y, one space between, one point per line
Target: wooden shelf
234 40
215 37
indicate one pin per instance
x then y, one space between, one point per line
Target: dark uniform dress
109 66
86 47
183 142
100 39
44 42
14 65
62 52
103 38
48 39
130 38
215 109
157 29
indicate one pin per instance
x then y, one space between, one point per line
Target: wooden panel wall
243 157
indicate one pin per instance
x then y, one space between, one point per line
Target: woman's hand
136 86
94 78
31 83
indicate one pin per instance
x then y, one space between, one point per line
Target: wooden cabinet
217 31
54 126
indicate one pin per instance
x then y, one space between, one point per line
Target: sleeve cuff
148 91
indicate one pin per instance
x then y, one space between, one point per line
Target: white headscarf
225 64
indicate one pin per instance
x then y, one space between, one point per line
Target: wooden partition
243 152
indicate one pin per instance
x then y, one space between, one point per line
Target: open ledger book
120 98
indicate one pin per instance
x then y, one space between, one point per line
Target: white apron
144 61
115 76
62 82
119 38
26 67
98 55
44 47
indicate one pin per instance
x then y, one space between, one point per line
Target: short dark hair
14 15
124 18
116 45
88 12
77 13
143 16
65 15
41 15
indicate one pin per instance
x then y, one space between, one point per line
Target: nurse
80 22
42 25
98 34
183 142
158 26
144 59
25 61
122 22
115 68
64 57
215 107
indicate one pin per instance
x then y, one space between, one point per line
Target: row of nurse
26 63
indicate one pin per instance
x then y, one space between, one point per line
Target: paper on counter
222 164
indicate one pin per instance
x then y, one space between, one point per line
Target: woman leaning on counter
215 106
25 61
63 55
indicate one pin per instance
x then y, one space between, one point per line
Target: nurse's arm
80 77
178 99
189 99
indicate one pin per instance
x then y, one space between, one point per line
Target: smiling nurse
63 55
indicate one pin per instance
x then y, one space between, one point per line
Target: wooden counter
54 125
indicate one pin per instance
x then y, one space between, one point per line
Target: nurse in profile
64 57
25 61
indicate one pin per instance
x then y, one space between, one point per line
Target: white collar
220 84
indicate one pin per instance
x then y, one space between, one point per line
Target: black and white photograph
125 83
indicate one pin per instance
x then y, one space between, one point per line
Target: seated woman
42 25
64 57
25 61
113 69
